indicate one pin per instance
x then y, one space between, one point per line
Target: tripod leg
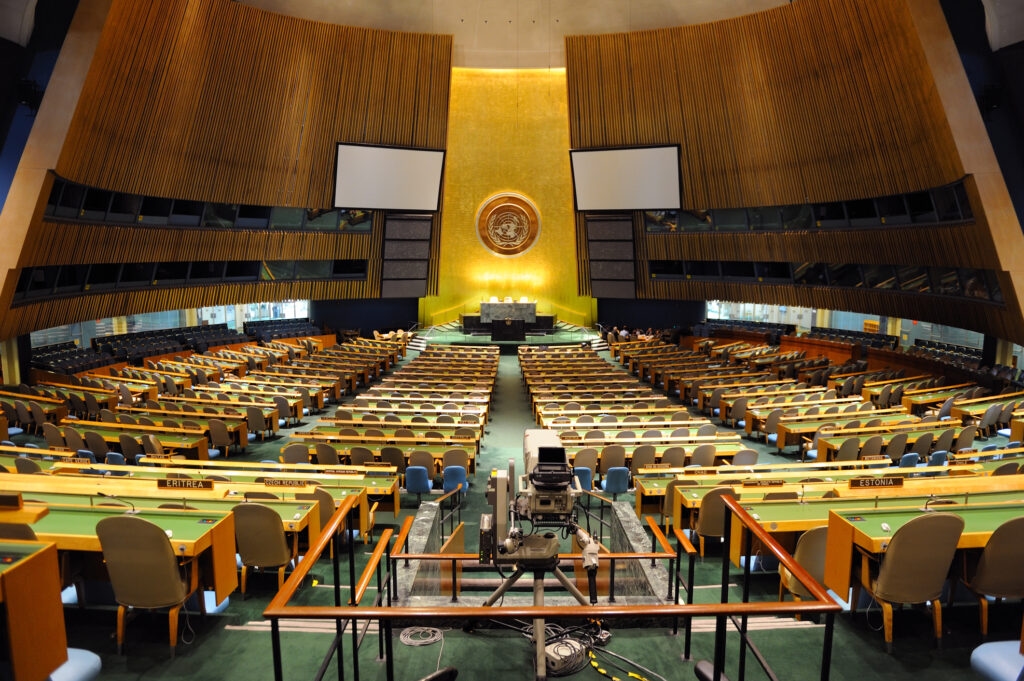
569 586
539 638
505 586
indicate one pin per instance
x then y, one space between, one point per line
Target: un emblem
508 224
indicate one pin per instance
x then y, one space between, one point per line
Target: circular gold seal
508 224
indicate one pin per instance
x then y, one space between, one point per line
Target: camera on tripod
543 497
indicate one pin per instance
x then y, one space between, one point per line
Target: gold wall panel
507 133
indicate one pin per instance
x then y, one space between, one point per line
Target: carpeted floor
235 644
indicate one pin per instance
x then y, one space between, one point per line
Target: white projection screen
636 178
387 178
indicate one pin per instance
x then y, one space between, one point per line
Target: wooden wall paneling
950 246
246 126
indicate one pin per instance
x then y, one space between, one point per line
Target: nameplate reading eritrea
876 482
184 483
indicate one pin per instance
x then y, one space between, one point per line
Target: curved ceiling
508 34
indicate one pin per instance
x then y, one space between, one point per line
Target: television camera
545 497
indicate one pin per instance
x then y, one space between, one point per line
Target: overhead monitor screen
387 178
636 178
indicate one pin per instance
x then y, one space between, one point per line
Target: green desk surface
912 435
12 553
980 520
794 516
288 510
864 528
81 522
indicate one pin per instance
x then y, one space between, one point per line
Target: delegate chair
393 456
326 455
418 481
257 423
295 453
261 543
643 456
95 443
130 447
999 572
872 447
220 437
848 450
453 476
703 455
360 456
455 457
144 571
74 439
585 476
616 481
913 568
897 446
711 516
26 465
668 502
586 458
810 554
674 456
54 440
612 456
421 457
744 457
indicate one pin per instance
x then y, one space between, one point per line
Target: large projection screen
387 178
638 178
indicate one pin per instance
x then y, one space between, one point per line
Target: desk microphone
133 510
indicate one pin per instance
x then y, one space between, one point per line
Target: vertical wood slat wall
215 100
815 101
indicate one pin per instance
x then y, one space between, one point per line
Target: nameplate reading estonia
283 482
876 482
184 483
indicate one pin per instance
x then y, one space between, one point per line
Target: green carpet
236 645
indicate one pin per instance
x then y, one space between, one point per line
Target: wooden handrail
371 565
817 590
659 536
327 532
445 497
684 541
403 535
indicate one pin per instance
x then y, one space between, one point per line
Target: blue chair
938 458
998 661
586 478
909 460
86 454
114 459
417 481
616 481
453 476
81 665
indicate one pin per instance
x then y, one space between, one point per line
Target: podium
508 330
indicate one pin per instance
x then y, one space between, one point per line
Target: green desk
863 528
828 446
175 440
209 537
787 519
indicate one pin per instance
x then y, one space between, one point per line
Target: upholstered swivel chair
616 481
261 542
999 572
144 570
810 554
418 481
913 568
711 516
296 452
